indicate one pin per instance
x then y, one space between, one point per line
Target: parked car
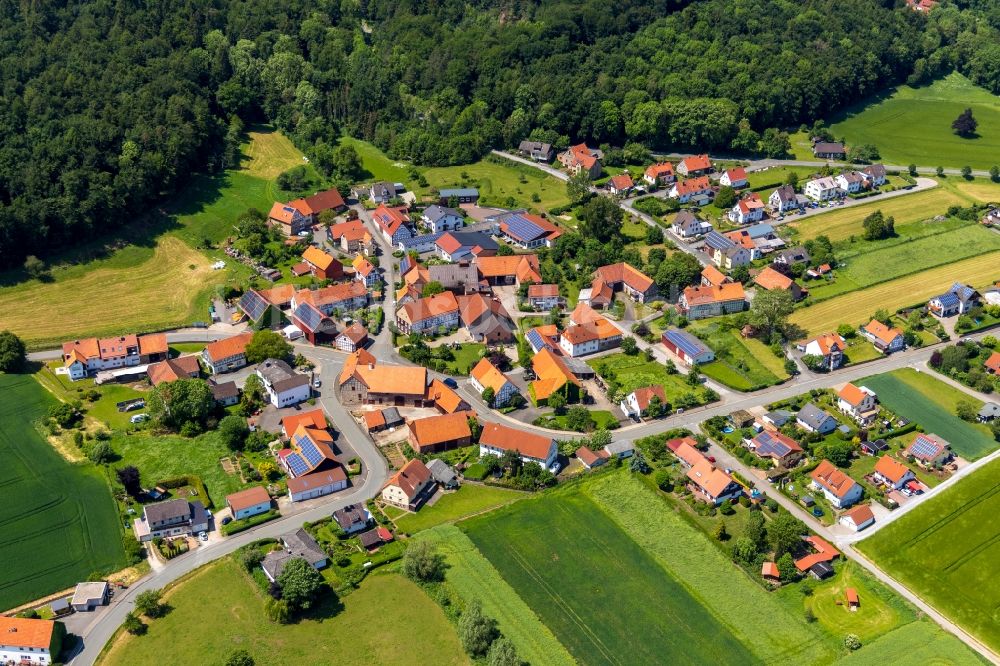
227 520
317 383
203 536
451 383
818 512
139 418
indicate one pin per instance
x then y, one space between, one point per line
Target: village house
318 484
711 484
860 403
409 487
441 396
822 189
352 338
636 403
311 464
891 472
580 158
526 230
462 245
620 185
874 175
589 458
858 518
316 326
781 449
429 315
783 199
486 319
956 301
659 174
829 150
440 218
735 178
992 364
701 302
182 367
382 419
590 338
249 502
538 151
850 181
685 449
928 450
713 277
496 439
364 381
443 474
288 219
696 165
512 269
353 518
366 272
771 280
394 223
460 278
314 419
685 190
829 347
225 394
687 225
336 298
449 196
297 545
351 236
748 209
486 375
86 357
885 338
173 518
382 192
322 265
552 376
791 256
623 277
440 433
726 253
227 354
813 419
838 488
544 297
686 347
29 641
990 411
818 563
284 386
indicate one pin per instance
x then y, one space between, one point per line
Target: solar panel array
309 316
523 228
923 447
296 464
948 300
535 340
686 342
717 241
405 264
310 451
254 305
766 445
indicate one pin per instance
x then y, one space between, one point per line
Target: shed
89 595
852 598
442 473
821 570
60 606
770 572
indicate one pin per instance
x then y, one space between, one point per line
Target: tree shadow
328 606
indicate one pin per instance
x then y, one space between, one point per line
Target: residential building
735 178
394 223
686 347
444 398
526 230
685 190
353 518
619 450
885 338
322 265
538 151
850 181
771 280
625 278
441 218
443 474
701 302
992 364
512 269
486 375
818 563
227 354
28 641
748 209
382 192
813 419
486 319
352 338
364 381
225 394
726 253
687 225
580 158
552 376
791 256
366 272
589 459
440 433
893 473
838 488
434 313
829 150
283 385
89 356
822 189
829 346
316 326
496 439
874 175
408 487
781 449
990 411
928 450
590 338
620 185
182 367
319 484
860 403
858 518
295 545
544 297
461 195
956 301
696 165
288 218
336 299
713 277
637 402
351 236
659 174
686 451
783 199
711 484
314 419
249 502
176 517
460 245
309 451
86 597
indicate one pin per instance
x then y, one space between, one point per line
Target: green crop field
930 402
913 125
946 549
470 499
920 642
604 597
58 522
634 372
857 306
744 365
473 577
218 609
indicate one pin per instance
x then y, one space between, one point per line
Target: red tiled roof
832 479
645 394
660 169
26 633
736 174
697 162
692 185
428 432
227 347
860 514
410 478
154 343
543 291
432 306
851 394
882 332
314 418
390 219
622 181
506 438
824 553
173 369
731 291
993 363
771 279
626 273
245 499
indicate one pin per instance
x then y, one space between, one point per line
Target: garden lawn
857 306
602 419
744 365
636 372
946 549
507 184
919 397
708 575
880 611
596 588
913 125
468 500
920 642
465 359
473 577
169 456
105 409
221 596
58 523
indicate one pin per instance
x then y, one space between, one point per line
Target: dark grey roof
458 192
162 511
351 515
990 410
534 147
381 190
391 416
454 276
813 416
441 472
794 255
280 375
474 238
224 390
301 544
198 513
828 147
875 170
436 212
786 193
275 561
688 221
370 538
779 417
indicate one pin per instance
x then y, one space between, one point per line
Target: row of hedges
246 523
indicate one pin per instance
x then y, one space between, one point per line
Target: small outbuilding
770 572
89 596
853 602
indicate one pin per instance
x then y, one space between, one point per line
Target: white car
203 536
139 418
317 383
305 234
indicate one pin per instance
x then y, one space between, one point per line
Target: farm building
409 487
538 449
685 346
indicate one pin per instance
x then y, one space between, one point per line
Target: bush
422 563
852 642
476 630
277 611
134 625
237 526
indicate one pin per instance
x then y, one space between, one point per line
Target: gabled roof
622 181
713 275
730 291
527 227
660 169
489 376
387 379
524 267
362 266
993 363
684 449
884 333
353 230
283 213
173 369
435 212
645 394
736 174
279 295
775 444
697 162
584 155
430 307
624 273
709 478
827 341
852 394
925 448
433 430
355 333
771 279
832 479
444 397
335 293
154 343
314 418
318 258
543 291
390 219
227 347
26 633
552 374
859 515
891 469
245 499
321 201
505 438
750 203
693 185
785 194
828 147
812 416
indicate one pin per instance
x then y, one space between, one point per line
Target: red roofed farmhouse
539 449
581 158
408 487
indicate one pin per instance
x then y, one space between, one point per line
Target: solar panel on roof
296 464
253 304
687 343
924 447
535 340
948 299
523 228
309 316
312 454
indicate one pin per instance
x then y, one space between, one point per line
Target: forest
108 107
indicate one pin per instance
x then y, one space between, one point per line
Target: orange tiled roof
173 369
660 169
697 162
552 374
245 499
432 306
993 363
623 272
444 397
154 343
827 340
334 293
730 291
489 376
26 633
771 279
314 418
279 294
360 357
523 266
692 185
390 219
891 469
392 379
227 347
832 479
882 332
851 394
714 276
506 438
354 230
410 478
622 181
438 429
318 258
709 478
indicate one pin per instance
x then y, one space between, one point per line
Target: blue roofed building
685 346
956 301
